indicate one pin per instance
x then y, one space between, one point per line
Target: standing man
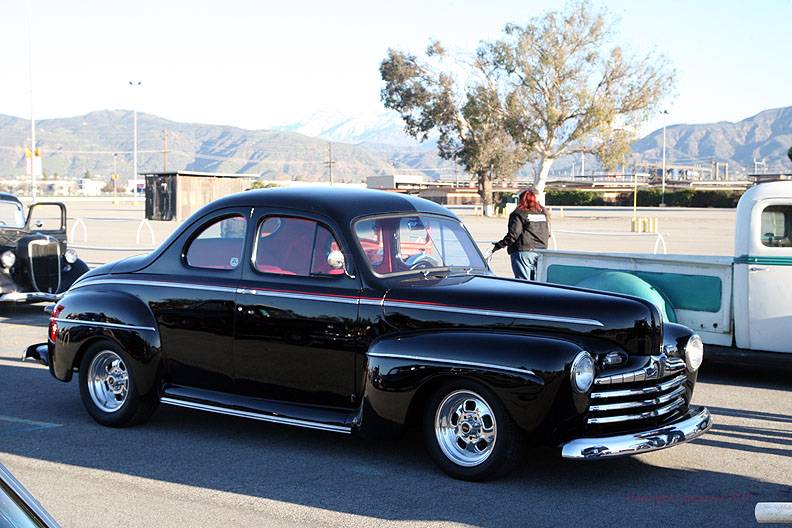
529 229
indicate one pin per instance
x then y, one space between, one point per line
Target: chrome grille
45 269
653 391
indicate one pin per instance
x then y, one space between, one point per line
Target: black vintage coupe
35 263
368 312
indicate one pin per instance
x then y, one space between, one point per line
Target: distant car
366 312
18 508
35 262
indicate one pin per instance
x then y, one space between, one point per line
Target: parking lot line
21 425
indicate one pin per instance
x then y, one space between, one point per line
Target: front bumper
30 297
694 424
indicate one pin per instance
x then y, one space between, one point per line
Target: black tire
507 450
134 409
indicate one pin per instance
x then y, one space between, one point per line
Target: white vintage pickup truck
741 306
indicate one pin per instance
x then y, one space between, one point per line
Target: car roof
343 204
7 197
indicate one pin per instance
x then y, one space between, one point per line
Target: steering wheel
3 222
423 261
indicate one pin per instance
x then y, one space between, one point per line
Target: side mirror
336 260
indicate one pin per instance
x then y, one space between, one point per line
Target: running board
255 409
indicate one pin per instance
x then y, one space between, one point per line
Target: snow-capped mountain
384 128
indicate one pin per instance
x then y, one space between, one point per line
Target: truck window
776 223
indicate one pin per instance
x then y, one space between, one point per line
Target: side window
220 244
776 223
294 246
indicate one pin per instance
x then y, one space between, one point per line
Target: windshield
409 243
11 215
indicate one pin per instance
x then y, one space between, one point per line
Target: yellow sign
28 154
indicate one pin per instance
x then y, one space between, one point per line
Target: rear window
219 245
776 223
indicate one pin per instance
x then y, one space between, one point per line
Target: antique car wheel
468 432
107 387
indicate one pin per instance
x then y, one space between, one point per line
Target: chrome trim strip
658 368
696 423
29 501
660 387
451 362
224 289
255 416
371 302
165 284
296 295
493 313
641 403
642 416
107 325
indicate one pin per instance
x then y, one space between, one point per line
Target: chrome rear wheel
108 381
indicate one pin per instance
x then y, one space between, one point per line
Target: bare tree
569 90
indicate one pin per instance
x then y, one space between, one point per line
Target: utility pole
330 162
134 84
165 150
582 164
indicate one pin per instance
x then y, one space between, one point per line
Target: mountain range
361 146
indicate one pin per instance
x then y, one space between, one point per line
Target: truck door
769 276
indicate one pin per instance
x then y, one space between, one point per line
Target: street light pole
662 191
135 132
32 118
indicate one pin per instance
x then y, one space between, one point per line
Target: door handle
757 268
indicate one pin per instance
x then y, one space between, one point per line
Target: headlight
694 352
71 256
582 375
7 259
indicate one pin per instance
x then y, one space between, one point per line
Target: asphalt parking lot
190 469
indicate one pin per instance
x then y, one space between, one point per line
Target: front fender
85 315
525 371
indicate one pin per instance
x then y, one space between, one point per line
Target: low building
177 195
91 186
396 182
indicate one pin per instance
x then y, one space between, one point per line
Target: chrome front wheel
108 381
465 428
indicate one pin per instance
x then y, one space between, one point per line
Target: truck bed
696 290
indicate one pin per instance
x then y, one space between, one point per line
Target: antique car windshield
11 215
402 244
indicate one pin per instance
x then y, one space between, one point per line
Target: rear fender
85 316
524 371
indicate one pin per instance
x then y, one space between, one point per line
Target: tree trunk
485 191
541 180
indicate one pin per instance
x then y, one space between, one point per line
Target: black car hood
508 304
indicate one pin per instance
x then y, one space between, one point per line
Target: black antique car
35 263
368 312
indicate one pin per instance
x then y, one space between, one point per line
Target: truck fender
628 284
85 316
525 372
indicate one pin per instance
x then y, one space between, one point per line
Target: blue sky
257 64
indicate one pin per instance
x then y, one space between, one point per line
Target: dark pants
524 264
